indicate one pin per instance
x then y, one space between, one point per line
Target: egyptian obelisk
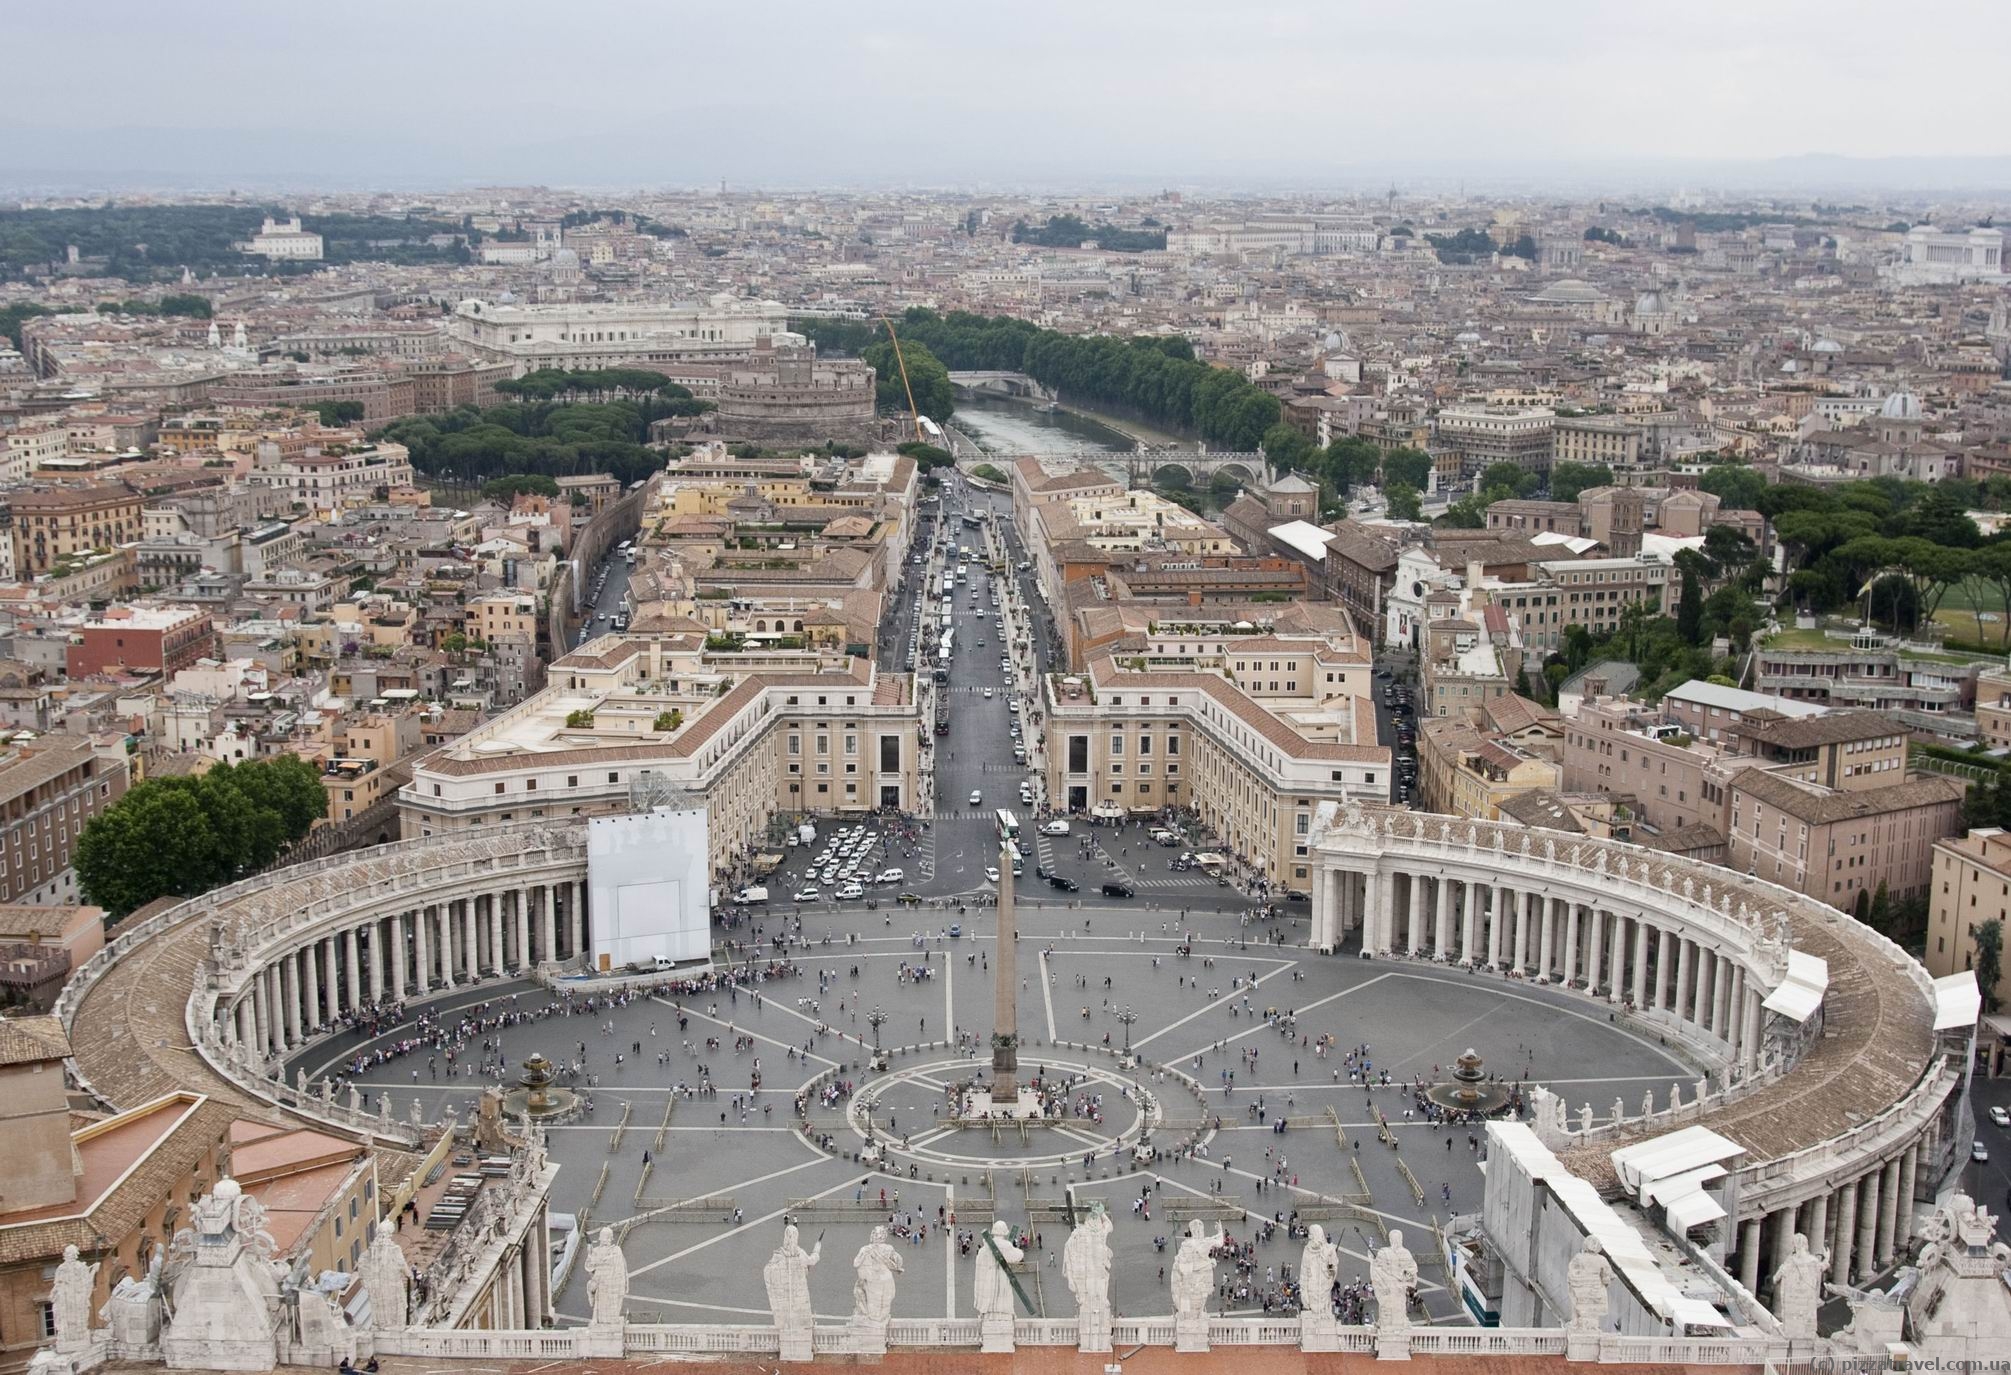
1005 991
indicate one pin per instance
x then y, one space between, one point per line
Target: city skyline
1795 98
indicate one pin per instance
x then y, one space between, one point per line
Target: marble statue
1798 1288
1085 1263
787 1278
1319 1265
387 1279
71 1300
416 1115
1194 1270
133 1313
992 1292
1391 1275
607 1279
1193 1283
1587 1277
875 1266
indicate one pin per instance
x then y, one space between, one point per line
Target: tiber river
1006 426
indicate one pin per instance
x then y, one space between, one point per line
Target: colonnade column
1846 1233
1749 1254
1867 1227
1442 933
495 931
1749 1048
1640 965
1570 971
377 930
1495 919
548 928
1909 1180
1469 923
398 957
331 982
1684 972
1546 928
1817 1230
1888 1216
1595 949
289 981
352 964
471 935
576 912
422 950
261 1000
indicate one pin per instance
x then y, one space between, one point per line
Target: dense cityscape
566 746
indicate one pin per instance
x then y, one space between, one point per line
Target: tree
1511 479
1567 480
334 414
1285 449
183 836
507 489
1988 938
1690 608
1404 502
927 378
1737 487
1411 467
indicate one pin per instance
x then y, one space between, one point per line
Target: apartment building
52 524
1993 708
1251 729
1595 440
1464 771
745 734
1971 878
1922 690
50 787
329 477
141 638
1482 436
1466 659
1841 847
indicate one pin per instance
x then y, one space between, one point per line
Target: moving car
1118 890
757 893
1979 1153
851 890
1066 884
891 876
977 797
1056 827
806 895
2001 1116
991 874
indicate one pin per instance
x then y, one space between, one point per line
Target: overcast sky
967 92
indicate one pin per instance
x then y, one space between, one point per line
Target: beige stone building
1841 846
1466 772
1251 730
746 734
1972 887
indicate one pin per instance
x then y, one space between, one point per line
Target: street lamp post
1125 1019
874 1019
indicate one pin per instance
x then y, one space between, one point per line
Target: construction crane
902 364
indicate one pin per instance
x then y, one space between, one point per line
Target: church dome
1901 405
1827 346
1648 303
1566 291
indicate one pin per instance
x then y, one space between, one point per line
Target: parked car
1066 884
991 873
1117 890
891 876
1979 1153
807 895
977 797
2001 1116
1057 827
757 893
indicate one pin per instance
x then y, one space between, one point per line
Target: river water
1005 426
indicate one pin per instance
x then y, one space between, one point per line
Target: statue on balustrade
875 1266
1798 1288
1194 1270
607 1280
71 1301
1085 1263
387 1278
1587 1277
787 1279
1392 1274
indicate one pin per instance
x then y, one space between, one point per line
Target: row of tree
604 384
155 242
472 445
1071 231
177 837
1156 377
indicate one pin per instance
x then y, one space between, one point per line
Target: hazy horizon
1565 96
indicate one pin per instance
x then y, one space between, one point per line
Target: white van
757 893
1055 828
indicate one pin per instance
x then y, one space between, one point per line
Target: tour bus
949 585
1008 825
